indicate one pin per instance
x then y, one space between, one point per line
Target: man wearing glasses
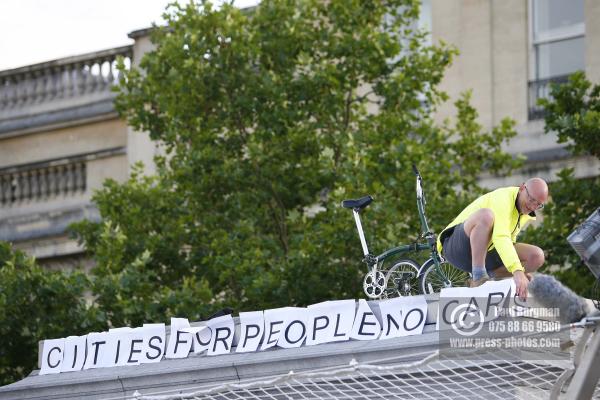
482 238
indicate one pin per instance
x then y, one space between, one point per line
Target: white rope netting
436 375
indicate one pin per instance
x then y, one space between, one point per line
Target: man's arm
521 283
502 240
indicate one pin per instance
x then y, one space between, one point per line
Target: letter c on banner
50 353
53 354
445 310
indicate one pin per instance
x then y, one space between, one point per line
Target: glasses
537 204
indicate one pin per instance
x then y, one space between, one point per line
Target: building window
424 21
557 37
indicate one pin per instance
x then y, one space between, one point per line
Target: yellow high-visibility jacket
507 223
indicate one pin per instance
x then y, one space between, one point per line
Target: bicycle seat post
361 233
357 206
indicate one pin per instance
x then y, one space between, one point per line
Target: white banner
274 321
52 356
366 325
464 309
330 321
403 316
293 331
252 328
202 338
154 343
180 341
222 329
74 353
287 327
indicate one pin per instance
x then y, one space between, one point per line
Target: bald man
482 239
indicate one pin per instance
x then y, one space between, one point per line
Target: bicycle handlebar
420 195
421 201
415 170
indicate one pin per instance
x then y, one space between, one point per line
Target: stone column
592 40
139 145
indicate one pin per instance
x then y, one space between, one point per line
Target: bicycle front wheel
433 279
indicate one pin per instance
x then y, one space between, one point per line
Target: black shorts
457 250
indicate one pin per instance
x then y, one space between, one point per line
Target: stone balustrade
39 184
65 82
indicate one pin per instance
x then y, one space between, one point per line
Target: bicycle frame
425 232
373 262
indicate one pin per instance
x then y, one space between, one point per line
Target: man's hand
521 283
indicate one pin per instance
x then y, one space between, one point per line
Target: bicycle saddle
357 204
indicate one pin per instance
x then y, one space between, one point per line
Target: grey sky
33 31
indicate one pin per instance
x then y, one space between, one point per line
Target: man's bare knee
536 259
486 217
483 218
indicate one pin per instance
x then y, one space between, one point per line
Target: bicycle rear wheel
433 280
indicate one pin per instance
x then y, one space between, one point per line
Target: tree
573 112
269 119
143 270
37 304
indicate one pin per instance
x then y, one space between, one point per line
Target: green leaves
36 304
573 112
573 200
270 119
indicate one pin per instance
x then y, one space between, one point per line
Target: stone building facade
60 136
510 52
